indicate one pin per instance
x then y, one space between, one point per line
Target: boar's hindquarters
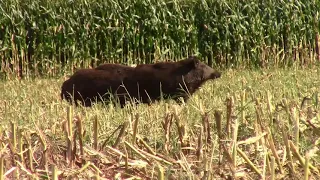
89 86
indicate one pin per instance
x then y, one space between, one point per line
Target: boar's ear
194 61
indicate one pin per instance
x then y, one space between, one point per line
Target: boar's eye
196 62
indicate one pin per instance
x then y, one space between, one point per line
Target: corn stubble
211 151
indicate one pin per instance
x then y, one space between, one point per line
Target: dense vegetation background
50 36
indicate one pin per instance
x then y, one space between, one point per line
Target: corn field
48 37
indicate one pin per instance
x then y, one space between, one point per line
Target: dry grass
246 125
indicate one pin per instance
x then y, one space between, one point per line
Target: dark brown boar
173 80
145 83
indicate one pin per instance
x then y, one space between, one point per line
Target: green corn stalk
142 31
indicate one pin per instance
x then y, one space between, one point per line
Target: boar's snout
215 74
210 73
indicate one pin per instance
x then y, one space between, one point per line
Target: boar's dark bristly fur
145 83
119 68
169 79
88 85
